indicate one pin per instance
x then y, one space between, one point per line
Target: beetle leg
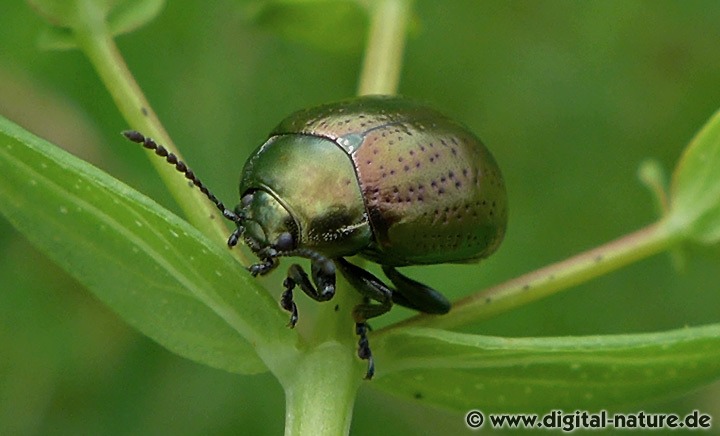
416 295
268 261
263 267
323 274
235 237
286 300
361 329
371 288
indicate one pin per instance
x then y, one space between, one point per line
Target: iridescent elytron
380 177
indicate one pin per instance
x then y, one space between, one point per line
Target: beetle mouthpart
253 244
255 232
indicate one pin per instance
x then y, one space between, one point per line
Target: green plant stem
95 40
321 384
386 41
321 388
320 398
554 278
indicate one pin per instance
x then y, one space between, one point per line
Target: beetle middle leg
323 275
371 288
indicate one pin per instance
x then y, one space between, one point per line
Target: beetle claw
371 368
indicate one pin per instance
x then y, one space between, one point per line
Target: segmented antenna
161 151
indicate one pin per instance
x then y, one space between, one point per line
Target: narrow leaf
695 191
464 372
651 175
128 15
155 270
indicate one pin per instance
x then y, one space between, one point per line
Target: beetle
381 177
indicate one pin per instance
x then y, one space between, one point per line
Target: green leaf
156 271
695 190
464 372
61 13
651 175
326 24
56 38
130 15
68 17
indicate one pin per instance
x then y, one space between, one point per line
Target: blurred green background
570 96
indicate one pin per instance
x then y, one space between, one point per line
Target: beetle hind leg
415 295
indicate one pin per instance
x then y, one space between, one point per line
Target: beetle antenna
161 151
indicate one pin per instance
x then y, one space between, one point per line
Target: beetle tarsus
263 267
361 328
234 237
287 303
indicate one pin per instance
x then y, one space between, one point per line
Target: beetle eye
284 242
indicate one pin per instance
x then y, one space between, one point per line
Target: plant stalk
320 391
320 397
551 279
96 42
386 41
322 380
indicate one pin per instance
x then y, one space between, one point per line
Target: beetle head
266 226
265 223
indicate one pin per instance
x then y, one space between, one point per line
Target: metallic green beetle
381 177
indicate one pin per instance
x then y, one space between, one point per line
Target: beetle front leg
371 288
235 237
263 267
268 259
323 274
